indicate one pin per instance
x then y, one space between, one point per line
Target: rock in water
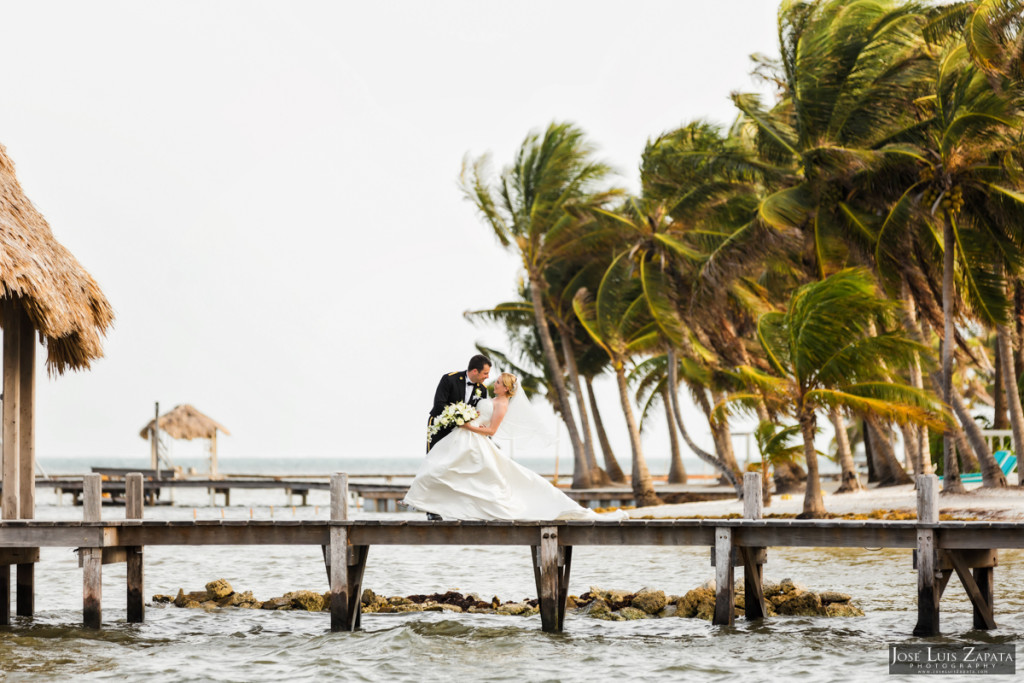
307 600
700 603
802 604
277 603
513 608
834 596
631 613
649 601
219 589
842 609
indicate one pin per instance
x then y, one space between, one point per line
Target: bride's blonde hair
510 383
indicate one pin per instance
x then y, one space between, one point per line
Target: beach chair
1006 460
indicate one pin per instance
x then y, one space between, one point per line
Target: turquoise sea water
252 645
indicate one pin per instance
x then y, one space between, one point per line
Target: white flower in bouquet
454 414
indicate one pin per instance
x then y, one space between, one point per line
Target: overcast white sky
266 191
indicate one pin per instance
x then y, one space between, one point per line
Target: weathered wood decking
942 548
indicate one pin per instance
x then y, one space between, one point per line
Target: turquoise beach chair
1006 460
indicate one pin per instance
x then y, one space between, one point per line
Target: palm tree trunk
951 470
892 472
643 486
968 461
723 438
676 470
814 507
611 465
673 395
999 412
766 485
922 464
1009 375
910 440
580 472
598 477
868 452
850 481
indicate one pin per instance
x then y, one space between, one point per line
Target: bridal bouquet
454 414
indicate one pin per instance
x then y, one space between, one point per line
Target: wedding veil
523 431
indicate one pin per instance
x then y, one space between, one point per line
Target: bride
465 476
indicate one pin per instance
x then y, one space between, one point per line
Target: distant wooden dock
967 549
371 496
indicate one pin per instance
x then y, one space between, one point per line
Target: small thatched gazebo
185 422
44 291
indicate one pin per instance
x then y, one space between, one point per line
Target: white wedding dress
465 476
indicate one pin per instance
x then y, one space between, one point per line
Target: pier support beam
26 572
724 591
753 558
92 558
136 602
345 563
928 587
551 566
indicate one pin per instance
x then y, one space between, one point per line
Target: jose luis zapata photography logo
953 659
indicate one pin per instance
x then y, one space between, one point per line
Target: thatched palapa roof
185 422
61 299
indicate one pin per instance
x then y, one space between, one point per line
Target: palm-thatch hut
185 422
44 290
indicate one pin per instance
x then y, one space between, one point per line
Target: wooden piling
724 591
338 554
25 582
548 577
92 558
5 595
928 588
753 566
134 510
12 322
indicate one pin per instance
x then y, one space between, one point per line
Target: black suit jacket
452 389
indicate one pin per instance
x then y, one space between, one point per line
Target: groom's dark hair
478 362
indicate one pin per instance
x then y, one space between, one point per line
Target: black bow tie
470 384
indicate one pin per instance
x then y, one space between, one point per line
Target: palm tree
650 378
992 34
618 321
814 373
526 209
773 442
965 192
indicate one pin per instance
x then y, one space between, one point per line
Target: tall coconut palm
965 192
992 32
824 357
618 321
526 209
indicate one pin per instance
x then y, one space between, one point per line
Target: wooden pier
967 549
372 497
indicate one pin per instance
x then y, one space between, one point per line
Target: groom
457 386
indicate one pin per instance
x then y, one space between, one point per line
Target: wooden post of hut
44 291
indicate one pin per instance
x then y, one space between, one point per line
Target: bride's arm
500 408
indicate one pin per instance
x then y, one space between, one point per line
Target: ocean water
254 645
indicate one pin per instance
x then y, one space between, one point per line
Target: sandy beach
1005 504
